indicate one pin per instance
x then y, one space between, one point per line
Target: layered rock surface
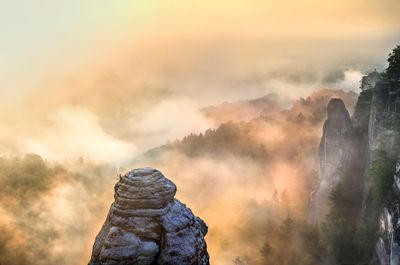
146 225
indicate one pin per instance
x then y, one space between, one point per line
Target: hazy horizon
99 61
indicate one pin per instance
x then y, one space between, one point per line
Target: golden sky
41 37
95 59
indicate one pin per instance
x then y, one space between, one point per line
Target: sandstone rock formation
380 125
375 125
335 148
146 225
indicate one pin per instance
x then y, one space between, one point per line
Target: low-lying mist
50 213
249 180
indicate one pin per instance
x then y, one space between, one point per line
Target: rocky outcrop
384 134
375 125
146 225
387 247
369 81
384 123
335 149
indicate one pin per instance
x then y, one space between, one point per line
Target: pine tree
393 70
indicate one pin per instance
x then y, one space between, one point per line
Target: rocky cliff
378 124
147 225
383 134
374 127
334 150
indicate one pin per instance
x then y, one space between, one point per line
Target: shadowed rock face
334 146
334 150
146 225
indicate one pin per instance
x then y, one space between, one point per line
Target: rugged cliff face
388 245
379 121
384 129
354 144
146 225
